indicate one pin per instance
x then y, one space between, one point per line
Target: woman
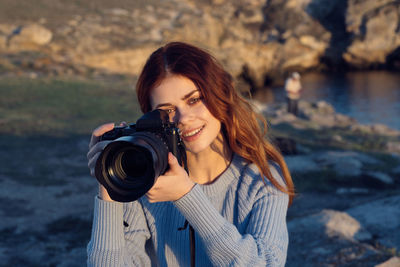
236 193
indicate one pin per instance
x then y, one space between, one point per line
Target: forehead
171 90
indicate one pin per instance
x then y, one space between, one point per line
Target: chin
196 149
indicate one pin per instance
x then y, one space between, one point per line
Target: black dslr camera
130 164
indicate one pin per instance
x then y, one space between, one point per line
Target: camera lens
128 166
130 163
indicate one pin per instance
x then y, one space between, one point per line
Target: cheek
204 114
213 122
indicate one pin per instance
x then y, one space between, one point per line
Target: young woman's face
180 97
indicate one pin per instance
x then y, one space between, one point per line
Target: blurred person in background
293 91
236 192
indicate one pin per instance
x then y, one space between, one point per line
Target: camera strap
192 239
192 246
192 242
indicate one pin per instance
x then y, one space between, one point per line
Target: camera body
137 154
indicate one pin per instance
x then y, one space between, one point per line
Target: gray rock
301 164
381 218
344 163
324 115
324 238
324 108
348 167
322 120
351 190
330 157
343 121
329 223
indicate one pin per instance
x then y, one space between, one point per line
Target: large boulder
29 37
326 238
381 218
374 28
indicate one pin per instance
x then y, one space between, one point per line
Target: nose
183 116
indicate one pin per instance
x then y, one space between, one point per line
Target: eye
170 110
194 100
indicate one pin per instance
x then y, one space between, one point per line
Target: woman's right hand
95 148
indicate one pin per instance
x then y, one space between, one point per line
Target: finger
92 163
172 161
99 131
151 196
98 147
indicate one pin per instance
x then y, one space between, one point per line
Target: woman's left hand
171 186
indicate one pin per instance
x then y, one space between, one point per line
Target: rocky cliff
347 208
258 41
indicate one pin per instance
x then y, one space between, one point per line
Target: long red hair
240 124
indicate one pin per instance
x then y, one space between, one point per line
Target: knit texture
238 220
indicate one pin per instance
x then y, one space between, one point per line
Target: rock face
257 41
374 26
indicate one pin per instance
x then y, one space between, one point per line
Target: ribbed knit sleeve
264 242
113 243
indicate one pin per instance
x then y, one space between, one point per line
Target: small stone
337 138
321 251
352 190
119 12
381 177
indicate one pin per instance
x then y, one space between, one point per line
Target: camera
138 153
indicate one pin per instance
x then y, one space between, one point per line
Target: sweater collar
231 173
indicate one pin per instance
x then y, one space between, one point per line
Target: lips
192 134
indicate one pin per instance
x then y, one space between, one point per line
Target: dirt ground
46 208
47 200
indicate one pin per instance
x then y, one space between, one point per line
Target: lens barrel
129 165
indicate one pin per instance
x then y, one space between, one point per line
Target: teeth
192 132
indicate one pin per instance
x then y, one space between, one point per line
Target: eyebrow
183 98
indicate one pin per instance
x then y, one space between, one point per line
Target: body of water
369 97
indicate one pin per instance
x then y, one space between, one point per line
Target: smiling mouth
192 133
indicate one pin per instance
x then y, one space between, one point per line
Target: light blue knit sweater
238 221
